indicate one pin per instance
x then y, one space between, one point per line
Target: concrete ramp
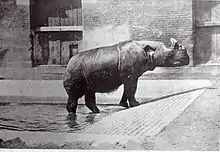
150 118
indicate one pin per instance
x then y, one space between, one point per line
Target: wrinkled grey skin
105 69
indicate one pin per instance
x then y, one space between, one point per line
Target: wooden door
68 50
207 22
54 52
73 49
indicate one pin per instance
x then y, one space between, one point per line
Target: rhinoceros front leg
123 101
130 87
91 101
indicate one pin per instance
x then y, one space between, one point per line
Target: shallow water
50 118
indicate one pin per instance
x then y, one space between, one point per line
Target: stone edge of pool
62 140
52 91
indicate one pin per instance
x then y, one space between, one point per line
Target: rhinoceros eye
181 47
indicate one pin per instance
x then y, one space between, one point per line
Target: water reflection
71 120
51 118
91 118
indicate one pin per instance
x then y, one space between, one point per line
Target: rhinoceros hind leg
123 101
90 101
130 87
71 106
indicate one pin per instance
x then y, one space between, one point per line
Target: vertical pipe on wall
194 31
1 42
71 19
59 13
77 16
60 25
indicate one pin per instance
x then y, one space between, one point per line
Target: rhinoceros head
174 56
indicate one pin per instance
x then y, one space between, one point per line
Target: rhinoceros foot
95 110
124 104
134 104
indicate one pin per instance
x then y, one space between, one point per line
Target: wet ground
51 118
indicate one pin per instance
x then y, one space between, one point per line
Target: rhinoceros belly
104 81
100 68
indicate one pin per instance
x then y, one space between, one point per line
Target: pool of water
50 118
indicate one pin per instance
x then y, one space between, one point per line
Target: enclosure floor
161 102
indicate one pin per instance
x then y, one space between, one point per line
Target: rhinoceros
104 69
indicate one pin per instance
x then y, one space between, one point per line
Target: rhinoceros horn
173 41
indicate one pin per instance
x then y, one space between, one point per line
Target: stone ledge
73 140
52 91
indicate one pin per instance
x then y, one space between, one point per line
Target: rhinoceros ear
173 41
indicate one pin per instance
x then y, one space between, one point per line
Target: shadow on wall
108 35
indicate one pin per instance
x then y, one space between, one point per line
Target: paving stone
144 120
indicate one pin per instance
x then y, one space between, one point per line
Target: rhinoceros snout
180 59
186 57
184 61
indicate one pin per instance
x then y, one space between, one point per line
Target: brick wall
6 5
16 27
110 21
145 19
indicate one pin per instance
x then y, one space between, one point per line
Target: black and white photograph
97 75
